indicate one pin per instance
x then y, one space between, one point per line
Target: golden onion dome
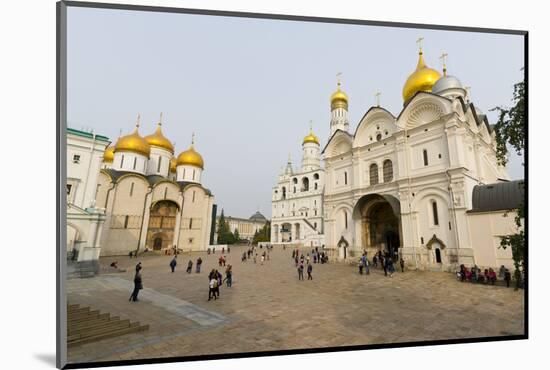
159 140
311 138
191 157
422 79
109 154
133 143
338 99
173 164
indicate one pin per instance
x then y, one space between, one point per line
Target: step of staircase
85 325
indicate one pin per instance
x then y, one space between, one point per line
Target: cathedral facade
405 184
153 200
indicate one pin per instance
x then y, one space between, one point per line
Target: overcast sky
249 87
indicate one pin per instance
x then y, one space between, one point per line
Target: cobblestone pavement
268 308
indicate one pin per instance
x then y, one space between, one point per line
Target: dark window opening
425 155
434 208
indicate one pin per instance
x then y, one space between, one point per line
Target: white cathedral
424 185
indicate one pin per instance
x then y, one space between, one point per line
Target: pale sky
248 88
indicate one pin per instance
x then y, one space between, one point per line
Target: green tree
510 132
225 236
263 235
236 236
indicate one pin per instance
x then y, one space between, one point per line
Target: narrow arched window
160 161
121 160
373 172
434 210
425 156
388 170
135 162
345 220
345 178
131 189
305 184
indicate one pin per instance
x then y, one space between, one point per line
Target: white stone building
297 200
247 227
84 220
153 200
405 184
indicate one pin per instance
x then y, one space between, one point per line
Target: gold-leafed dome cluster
422 79
173 164
311 138
338 99
191 157
109 154
159 140
133 143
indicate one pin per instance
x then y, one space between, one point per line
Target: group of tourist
215 281
302 262
213 250
488 276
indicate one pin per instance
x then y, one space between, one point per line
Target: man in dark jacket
138 285
173 263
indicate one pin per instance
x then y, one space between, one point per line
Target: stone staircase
85 325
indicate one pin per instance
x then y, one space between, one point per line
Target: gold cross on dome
338 77
443 58
138 119
377 96
310 125
160 119
193 138
419 42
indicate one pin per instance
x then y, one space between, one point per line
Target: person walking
138 285
384 264
219 277
229 276
262 259
212 285
402 263
189 266
507 277
301 272
390 267
173 263
199 264
309 270
307 259
360 266
138 267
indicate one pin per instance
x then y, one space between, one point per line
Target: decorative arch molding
373 199
340 143
343 242
78 230
433 240
153 204
376 120
427 193
424 108
341 207
137 176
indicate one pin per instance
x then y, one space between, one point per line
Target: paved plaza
268 308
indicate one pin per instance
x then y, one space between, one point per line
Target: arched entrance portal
162 223
378 219
286 232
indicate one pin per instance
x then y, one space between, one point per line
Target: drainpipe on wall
143 217
181 218
454 210
413 237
